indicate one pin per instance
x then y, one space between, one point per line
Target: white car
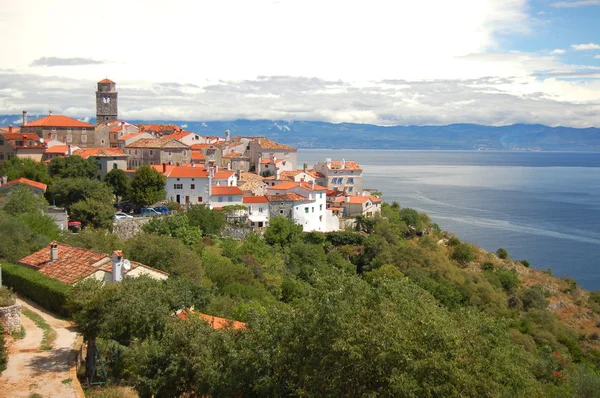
122 216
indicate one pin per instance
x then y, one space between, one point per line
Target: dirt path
30 370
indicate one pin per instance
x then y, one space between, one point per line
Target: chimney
117 266
24 118
164 167
347 199
229 166
50 113
328 161
343 164
304 167
53 252
123 129
227 136
4 180
10 128
312 185
70 150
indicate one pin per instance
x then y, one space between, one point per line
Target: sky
396 62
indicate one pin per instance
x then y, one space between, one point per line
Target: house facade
107 158
21 145
345 176
258 211
260 148
67 130
149 151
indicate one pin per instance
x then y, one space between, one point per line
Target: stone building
106 102
148 151
65 129
22 145
345 176
107 159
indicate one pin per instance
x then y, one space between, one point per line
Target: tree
282 232
463 253
119 182
148 186
177 226
41 224
209 221
502 253
26 168
73 167
22 200
68 191
18 239
93 212
99 240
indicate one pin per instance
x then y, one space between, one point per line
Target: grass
67 381
49 333
19 334
110 392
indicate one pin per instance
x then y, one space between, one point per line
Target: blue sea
543 207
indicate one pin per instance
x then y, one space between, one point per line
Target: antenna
127 265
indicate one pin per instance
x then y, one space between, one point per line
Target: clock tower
106 102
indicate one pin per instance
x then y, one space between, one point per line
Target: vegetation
118 181
73 167
209 221
49 333
7 297
3 350
147 186
17 167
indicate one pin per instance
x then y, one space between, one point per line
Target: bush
525 263
3 352
487 266
534 297
502 253
463 253
7 297
47 292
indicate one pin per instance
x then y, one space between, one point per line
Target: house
258 211
115 130
37 187
159 130
125 140
260 148
65 129
187 137
341 175
22 145
252 184
107 158
71 265
221 196
56 149
303 202
148 151
272 166
368 205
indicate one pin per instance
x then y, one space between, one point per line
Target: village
258 176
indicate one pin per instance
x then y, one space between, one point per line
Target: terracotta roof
350 165
199 146
25 181
14 136
315 174
233 155
165 142
267 161
100 152
132 135
58 121
106 81
255 199
288 197
357 199
220 191
214 321
73 263
62 149
293 184
192 172
118 126
246 176
134 264
179 135
197 155
159 128
268 144
284 185
14 129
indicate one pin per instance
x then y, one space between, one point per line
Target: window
184 153
1 142
69 138
306 210
169 153
151 162
230 198
313 209
1 156
260 209
281 211
53 136
220 199
192 186
351 180
99 166
136 151
177 186
320 207
115 166
102 142
151 152
350 189
199 199
83 137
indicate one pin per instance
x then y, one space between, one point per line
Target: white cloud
571 4
558 51
585 47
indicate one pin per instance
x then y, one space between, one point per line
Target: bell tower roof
106 81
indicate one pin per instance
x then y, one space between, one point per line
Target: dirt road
31 371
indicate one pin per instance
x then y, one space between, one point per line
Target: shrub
502 253
7 297
487 266
525 263
3 352
463 253
534 297
47 292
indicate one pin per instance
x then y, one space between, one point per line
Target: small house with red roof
38 187
343 175
352 206
70 265
13 143
261 148
65 129
258 211
107 158
149 151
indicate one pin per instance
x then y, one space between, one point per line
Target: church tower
106 101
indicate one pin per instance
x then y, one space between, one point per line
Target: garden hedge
47 292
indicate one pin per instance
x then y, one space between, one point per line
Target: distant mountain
305 134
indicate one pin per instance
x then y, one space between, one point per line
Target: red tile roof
268 161
220 191
197 155
132 135
350 165
179 135
62 149
58 121
25 181
7 128
100 152
357 199
288 197
245 176
214 321
159 128
106 81
293 184
199 146
166 142
14 136
73 263
255 199
268 144
233 155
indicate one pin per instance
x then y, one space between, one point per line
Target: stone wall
10 317
237 232
126 229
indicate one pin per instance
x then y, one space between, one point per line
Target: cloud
56 61
585 47
580 3
558 51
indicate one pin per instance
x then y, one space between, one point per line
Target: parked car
122 216
127 207
162 209
149 212
73 225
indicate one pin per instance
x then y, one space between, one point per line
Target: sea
543 207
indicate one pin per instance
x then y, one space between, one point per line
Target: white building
341 175
258 211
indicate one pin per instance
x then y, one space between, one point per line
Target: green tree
463 253
68 191
18 239
23 200
99 240
119 182
147 186
282 232
73 167
209 221
25 168
177 226
41 224
93 212
502 253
